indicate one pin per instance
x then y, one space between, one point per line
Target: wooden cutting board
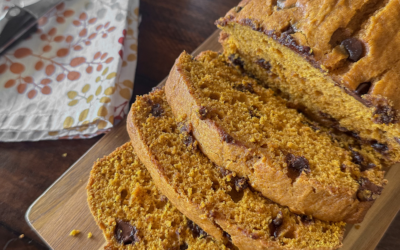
63 206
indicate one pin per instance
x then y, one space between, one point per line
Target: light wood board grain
63 206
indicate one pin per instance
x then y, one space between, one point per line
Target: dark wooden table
27 169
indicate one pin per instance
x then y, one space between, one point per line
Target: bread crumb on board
89 235
74 232
22 236
64 155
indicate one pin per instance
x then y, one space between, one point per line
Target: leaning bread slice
132 213
249 130
216 199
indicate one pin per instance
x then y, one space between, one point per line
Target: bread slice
251 131
341 63
133 214
216 199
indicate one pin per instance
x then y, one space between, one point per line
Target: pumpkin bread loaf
249 130
133 214
216 199
338 60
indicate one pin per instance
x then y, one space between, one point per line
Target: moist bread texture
215 198
341 64
133 214
249 130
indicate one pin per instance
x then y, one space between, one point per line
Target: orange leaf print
104 35
76 23
88 42
17 68
32 94
68 13
92 20
59 39
60 19
99 27
47 48
110 59
60 77
52 32
77 47
83 32
104 56
83 16
46 90
22 52
39 65
73 75
92 36
106 25
99 67
42 21
60 6
3 68
69 39
111 29
45 81
43 37
77 61
97 55
21 88
9 83
50 69
89 69
63 52
28 79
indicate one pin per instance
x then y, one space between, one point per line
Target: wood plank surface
63 206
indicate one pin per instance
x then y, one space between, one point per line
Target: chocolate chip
354 47
238 9
228 236
245 87
343 167
368 191
363 88
196 230
203 112
163 198
384 112
125 233
297 165
379 147
224 171
236 61
357 157
264 64
186 128
253 113
240 183
184 246
275 225
227 138
156 88
255 236
397 140
367 166
157 110
306 219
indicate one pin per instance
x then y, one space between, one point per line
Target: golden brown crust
319 35
304 196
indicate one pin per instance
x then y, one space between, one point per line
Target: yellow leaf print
109 91
105 71
128 84
111 119
52 133
73 103
68 122
102 111
72 94
105 99
83 115
98 91
111 75
102 124
98 79
86 88
133 47
89 99
125 93
132 57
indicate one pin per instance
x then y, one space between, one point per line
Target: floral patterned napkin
74 77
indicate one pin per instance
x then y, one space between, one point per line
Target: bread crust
303 196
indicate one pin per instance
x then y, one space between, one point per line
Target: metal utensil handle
15 23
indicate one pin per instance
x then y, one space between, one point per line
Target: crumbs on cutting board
74 232
89 235
64 155
22 236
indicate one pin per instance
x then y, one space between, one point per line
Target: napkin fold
73 78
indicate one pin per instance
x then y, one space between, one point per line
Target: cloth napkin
73 78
